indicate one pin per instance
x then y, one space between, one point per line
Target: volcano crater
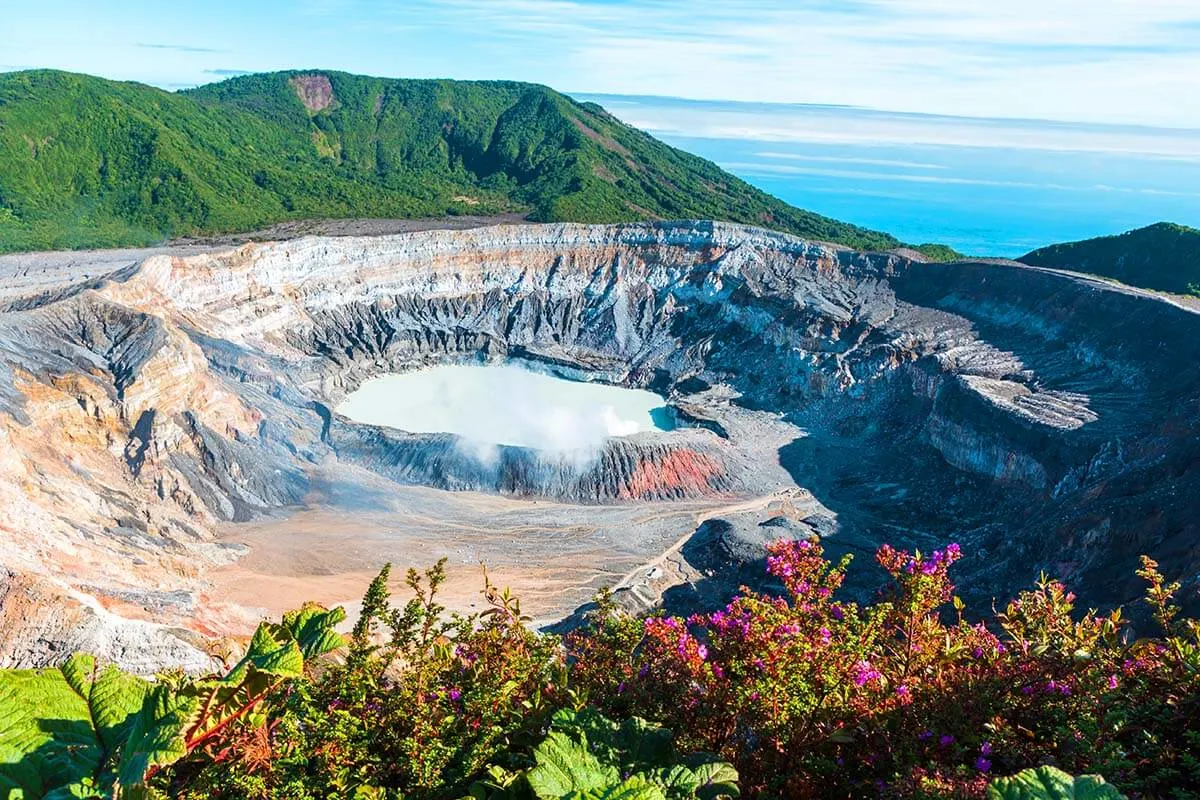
161 418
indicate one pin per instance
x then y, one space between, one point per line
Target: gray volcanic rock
1045 422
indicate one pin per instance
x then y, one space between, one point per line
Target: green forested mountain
1165 257
91 162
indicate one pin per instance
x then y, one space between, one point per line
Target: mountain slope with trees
1164 256
88 162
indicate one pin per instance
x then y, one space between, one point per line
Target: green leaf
677 781
1049 783
313 628
498 784
176 718
116 698
272 651
644 745
157 737
566 767
635 788
717 779
59 728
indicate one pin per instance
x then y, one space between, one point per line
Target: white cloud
1116 61
1102 60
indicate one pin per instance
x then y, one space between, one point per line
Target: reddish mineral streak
679 471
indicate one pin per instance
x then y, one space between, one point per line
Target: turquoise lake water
506 405
985 187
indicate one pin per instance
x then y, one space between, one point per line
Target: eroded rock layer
1045 421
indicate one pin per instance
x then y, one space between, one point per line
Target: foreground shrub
803 695
425 711
812 696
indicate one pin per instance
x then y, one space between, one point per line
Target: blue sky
1109 61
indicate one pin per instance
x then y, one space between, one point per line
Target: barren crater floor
177 457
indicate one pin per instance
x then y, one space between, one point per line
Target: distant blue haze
985 187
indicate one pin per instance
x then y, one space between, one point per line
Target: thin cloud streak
824 125
877 162
179 48
768 170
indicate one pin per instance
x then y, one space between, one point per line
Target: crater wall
1045 421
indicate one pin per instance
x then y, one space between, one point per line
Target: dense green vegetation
797 693
1164 257
90 162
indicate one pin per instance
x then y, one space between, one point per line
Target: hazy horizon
991 187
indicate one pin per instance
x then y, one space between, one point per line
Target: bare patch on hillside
315 91
645 212
604 173
607 142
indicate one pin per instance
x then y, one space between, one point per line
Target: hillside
1164 256
90 162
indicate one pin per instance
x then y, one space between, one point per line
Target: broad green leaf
176 718
634 745
589 725
498 784
598 750
717 778
157 736
60 727
272 651
116 698
1049 783
565 767
644 745
634 788
677 781
313 629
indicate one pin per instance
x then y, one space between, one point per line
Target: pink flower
864 673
